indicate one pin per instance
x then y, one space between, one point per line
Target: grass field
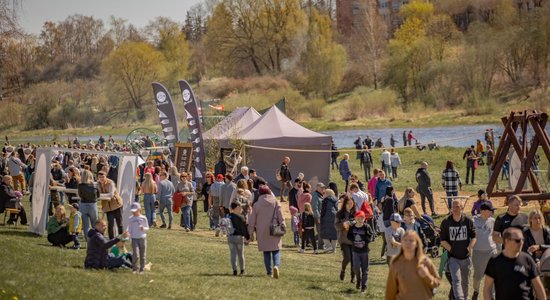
196 265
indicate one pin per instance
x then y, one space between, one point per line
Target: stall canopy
275 130
232 125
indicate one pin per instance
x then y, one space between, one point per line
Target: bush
10 114
224 87
477 107
315 107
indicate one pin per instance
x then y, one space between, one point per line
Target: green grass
196 265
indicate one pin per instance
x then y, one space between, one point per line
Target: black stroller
432 233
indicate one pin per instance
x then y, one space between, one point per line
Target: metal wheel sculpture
141 138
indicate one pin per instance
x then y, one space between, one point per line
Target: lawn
195 265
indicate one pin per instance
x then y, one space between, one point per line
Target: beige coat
260 220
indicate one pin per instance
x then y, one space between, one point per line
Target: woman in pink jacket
267 211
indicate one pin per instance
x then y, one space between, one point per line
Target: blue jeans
149 203
89 214
166 204
360 263
450 200
296 238
268 256
186 214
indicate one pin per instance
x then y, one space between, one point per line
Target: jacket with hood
97 250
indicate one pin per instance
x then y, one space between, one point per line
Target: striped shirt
451 180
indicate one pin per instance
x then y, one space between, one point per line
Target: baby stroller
432 234
544 268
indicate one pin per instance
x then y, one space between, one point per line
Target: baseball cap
76 206
396 218
487 206
220 177
321 185
360 214
135 207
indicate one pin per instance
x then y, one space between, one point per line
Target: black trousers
347 257
61 237
112 216
309 235
22 214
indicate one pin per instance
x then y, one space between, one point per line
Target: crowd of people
504 251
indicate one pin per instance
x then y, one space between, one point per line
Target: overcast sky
138 12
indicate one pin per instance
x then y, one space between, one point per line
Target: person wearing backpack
237 233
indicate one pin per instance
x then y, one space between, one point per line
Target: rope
355 150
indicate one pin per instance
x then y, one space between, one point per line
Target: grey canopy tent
232 125
275 130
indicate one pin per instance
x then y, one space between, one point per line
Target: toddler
75 224
137 228
295 224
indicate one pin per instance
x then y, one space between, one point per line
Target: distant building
351 14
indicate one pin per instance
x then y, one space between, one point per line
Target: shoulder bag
276 228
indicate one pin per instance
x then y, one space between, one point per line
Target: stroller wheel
435 252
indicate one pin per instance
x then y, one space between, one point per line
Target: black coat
424 181
285 173
329 208
97 250
7 197
530 240
88 192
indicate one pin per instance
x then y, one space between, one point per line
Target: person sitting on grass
96 252
119 250
236 238
360 235
58 233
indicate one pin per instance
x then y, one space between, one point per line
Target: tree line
444 54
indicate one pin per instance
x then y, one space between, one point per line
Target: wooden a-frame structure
525 152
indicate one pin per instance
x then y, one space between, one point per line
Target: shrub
477 107
315 107
10 114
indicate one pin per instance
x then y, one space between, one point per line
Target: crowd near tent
275 130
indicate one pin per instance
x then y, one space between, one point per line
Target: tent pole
244 155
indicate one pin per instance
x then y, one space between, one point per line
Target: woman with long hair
451 182
344 219
73 179
411 274
407 201
58 233
536 235
149 190
88 194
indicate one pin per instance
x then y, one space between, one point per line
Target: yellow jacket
75 220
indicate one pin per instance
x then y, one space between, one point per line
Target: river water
454 136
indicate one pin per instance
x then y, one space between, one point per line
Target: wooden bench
10 211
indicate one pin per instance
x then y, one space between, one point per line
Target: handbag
278 175
276 228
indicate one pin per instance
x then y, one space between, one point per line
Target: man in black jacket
97 256
424 187
8 199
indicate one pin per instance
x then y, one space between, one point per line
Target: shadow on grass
349 291
17 232
226 275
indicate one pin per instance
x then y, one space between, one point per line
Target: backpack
367 209
226 226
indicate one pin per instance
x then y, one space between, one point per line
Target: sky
138 12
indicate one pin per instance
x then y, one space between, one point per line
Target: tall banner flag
195 130
167 115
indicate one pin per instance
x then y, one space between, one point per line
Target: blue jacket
380 190
344 169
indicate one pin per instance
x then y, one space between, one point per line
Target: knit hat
293 210
360 214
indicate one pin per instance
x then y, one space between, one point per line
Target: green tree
324 61
129 71
170 40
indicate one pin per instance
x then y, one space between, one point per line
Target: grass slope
196 265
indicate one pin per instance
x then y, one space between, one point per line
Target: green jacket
54 226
